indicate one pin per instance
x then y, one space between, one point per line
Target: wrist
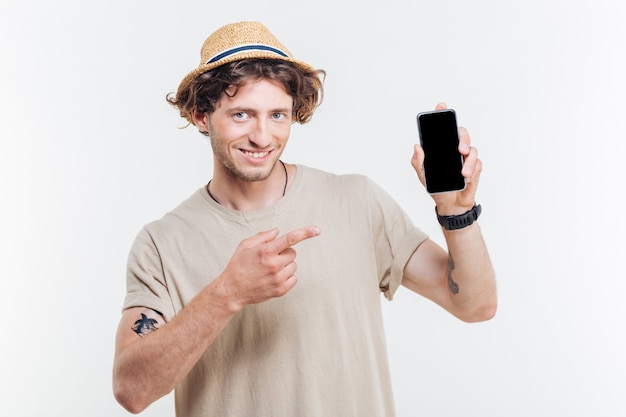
453 208
224 297
459 221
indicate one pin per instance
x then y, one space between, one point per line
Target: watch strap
460 221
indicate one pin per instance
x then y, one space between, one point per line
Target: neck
237 194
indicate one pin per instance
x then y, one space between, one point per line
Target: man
215 308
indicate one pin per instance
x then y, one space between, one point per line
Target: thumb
418 161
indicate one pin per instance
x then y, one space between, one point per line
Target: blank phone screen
439 138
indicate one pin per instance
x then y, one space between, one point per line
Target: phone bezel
459 182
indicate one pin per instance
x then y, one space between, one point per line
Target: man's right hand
263 267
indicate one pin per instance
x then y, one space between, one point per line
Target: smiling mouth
255 155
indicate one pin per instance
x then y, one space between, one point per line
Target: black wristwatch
460 221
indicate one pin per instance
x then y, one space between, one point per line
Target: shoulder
349 181
185 213
354 191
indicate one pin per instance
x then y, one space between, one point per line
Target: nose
260 134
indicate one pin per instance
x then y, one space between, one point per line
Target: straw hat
237 41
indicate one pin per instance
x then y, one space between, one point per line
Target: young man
215 308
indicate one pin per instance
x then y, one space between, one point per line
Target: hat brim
186 82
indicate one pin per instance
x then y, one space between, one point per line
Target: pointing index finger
294 237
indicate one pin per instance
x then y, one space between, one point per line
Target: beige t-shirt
318 351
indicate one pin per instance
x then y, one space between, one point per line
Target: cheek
226 132
282 132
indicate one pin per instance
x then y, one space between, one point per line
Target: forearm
147 369
261 268
470 275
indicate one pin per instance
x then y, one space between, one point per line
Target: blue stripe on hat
243 48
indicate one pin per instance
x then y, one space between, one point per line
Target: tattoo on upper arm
454 287
145 325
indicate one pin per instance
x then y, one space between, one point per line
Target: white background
90 151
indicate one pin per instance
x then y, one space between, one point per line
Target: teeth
256 154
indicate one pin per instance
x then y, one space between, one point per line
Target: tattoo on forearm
145 325
454 287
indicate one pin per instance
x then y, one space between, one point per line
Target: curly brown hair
202 95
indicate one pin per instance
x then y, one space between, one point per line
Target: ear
200 120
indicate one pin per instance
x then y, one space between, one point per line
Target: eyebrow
251 110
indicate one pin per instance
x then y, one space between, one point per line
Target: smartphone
439 138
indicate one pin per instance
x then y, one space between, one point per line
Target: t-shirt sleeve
395 238
145 282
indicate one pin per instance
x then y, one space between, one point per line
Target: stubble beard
222 156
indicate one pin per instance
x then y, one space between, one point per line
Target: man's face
250 130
